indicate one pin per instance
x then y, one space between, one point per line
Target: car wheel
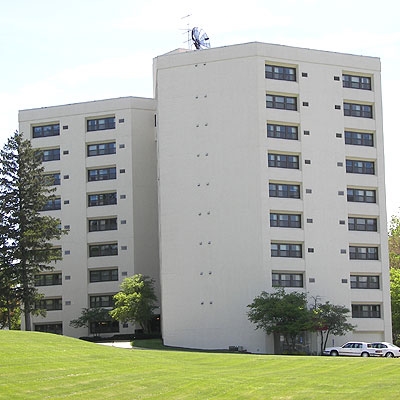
389 354
364 354
334 353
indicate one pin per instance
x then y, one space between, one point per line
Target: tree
395 302
330 319
394 242
26 234
394 262
92 317
136 301
283 313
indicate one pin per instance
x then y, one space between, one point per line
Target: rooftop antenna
187 31
200 39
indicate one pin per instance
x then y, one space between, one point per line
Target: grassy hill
37 365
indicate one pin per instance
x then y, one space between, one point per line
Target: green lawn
36 365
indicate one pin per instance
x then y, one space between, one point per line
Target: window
286 250
357 110
102 174
101 124
359 138
100 250
46 130
360 167
102 199
285 220
356 82
104 275
361 195
104 327
284 190
282 131
49 304
281 73
281 102
362 224
52 204
101 149
48 279
52 179
364 281
56 328
363 253
287 280
365 310
101 301
283 161
105 224
50 154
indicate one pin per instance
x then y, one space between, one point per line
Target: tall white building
102 155
270 172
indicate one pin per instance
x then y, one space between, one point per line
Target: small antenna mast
188 30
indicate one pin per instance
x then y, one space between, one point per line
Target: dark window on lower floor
104 327
363 224
363 253
105 300
104 224
101 250
360 167
361 195
286 250
49 304
282 131
287 279
364 281
104 275
56 328
285 220
102 199
365 310
284 190
48 279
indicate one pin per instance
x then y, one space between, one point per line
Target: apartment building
102 156
267 170
271 173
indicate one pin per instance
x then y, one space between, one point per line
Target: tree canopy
136 301
394 242
330 319
283 313
26 235
92 317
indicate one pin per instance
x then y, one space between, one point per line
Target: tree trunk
27 315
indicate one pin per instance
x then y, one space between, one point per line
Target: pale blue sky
58 52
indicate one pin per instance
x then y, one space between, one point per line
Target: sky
56 52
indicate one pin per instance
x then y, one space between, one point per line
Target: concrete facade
217 245
237 209
129 223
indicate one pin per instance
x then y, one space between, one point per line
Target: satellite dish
200 39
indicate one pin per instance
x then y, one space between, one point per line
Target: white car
386 349
362 349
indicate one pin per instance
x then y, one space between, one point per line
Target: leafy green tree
394 242
136 301
26 234
92 317
283 313
395 300
330 319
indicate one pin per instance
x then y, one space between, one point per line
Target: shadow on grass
157 344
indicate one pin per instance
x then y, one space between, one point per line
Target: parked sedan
386 349
362 349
